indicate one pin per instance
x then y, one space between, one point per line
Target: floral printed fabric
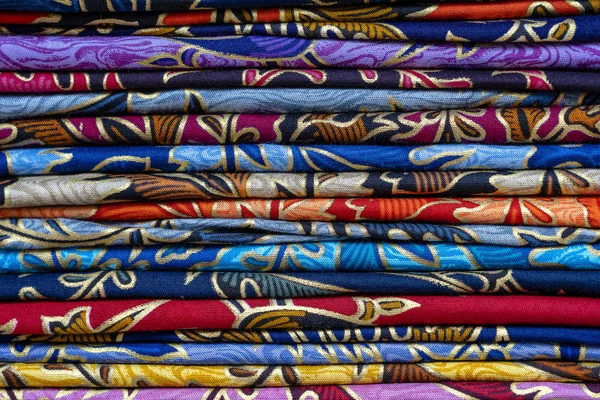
204 200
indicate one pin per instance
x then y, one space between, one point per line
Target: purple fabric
116 53
406 391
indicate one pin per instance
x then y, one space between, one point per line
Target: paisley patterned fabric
293 158
196 354
342 256
268 101
408 391
565 29
287 10
27 53
112 316
477 125
97 188
242 285
516 80
156 375
54 233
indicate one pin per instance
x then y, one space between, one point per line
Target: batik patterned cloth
269 101
19 375
477 125
563 211
342 312
56 233
239 285
294 158
282 11
201 354
326 256
390 334
575 29
98 188
513 80
408 391
26 53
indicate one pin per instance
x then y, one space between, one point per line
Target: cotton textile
240 285
30 53
388 334
196 354
153 375
478 125
110 316
408 391
559 211
269 101
514 80
98 188
302 199
22 234
293 158
288 10
326 256
575 29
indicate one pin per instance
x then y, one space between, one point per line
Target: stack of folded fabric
307 199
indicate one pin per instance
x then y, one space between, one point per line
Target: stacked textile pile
291 198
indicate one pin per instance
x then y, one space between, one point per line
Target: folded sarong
393 334
294 158
27 53
22 234
513 80
196 354
344 256
363 10
477 125
527 211
240 285
575 29
97 188
112 316
408 391
156 375
269 101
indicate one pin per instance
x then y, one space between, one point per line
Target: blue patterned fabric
309 257
295 354
292 158
30 233
274 101
236 285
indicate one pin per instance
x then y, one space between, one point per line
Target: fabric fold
153 375
294 158
97 188
246 285
514 80
270 101
86 12
565 211
22 234
232 354
111 316
573 29
408 391
29 53
340 256
575 125
575 335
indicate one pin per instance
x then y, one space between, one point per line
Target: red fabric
103 316
535 211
